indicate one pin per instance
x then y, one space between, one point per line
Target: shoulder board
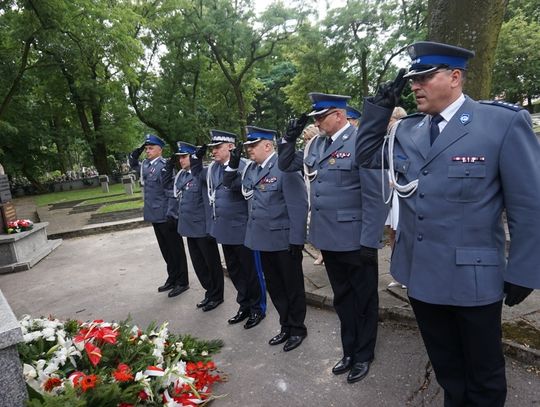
413 115
163 160
500 103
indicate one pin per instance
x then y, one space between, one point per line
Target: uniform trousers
241 268
285 283
465 348
205 258
356 301
172 249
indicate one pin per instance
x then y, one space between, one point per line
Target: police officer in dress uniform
276 227
203 249
459 163
353 116
347 220
227 225
158 191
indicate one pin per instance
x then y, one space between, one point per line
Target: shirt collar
267 159
340 131
451 110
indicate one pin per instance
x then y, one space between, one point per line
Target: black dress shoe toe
177 290
358 371
279 338
165 287
343 365
202 303
211 305
239 317
254 320
293 342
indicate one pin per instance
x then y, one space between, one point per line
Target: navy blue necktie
328 142
434 127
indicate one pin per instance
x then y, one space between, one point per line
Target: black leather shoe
279 338
211 305
254 320
293 342
343 365
358 371
177 290
239 317
202 303
165 287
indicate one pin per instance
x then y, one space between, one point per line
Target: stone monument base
21 251
12 385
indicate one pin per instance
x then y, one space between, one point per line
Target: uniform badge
421 124
332 161
464 118
469 159
268 180
345 137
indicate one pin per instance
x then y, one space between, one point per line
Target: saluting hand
295 127
236 153
515 293
389 93
138 151
201 151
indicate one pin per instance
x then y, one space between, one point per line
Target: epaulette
163 160
500 103
410 116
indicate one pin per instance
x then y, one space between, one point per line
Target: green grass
80 194
122 206
111 199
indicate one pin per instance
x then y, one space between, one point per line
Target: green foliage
516 74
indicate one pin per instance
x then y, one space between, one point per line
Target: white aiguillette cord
247 193
403 191
309 176
210 189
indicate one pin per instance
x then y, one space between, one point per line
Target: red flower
85 382
123 373
125 405
51 383
143 395
88 382
93 352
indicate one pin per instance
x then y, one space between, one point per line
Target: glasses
425 78
321 118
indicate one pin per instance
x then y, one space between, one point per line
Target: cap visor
317 112
215 144
413 73
247 143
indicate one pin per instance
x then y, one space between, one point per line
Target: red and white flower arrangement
114 364
19 225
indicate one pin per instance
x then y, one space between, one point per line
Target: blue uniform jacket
450 241
278 208
191 206
157 184
229 211
347 208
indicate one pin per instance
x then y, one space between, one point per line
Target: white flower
49 334
204 353
29 372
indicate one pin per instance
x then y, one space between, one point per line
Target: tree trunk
471 24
